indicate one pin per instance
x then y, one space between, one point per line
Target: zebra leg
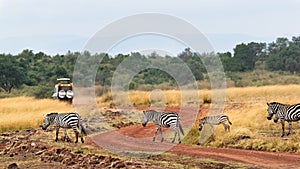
157 128
179 140
66 135
81 132
162 137
82 140
175 133
76 133
290 128
282 126
82 129
212 127
56 134
225 126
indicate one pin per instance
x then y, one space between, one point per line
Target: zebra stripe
215 120
162 119
284 112
65 121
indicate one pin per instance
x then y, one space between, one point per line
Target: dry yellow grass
246 108
171 98
247 95
25 112
286 94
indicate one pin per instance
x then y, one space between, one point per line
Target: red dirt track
253 158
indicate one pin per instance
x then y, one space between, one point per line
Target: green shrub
40 92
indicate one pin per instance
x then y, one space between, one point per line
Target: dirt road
137 138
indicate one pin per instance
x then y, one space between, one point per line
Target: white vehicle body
63 90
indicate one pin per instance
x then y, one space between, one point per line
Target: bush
40 92
237 135
101 90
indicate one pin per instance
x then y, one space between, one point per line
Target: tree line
281 55
37 72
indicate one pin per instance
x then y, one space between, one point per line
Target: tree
276 47
60 71
284 55
10 74
229 63
247 54
186 54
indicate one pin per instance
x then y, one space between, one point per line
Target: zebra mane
277 103
204 118
50 114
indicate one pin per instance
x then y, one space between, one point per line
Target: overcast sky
57 26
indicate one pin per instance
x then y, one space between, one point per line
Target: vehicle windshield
64 81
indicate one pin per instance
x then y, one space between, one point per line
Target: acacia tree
247 54
11 75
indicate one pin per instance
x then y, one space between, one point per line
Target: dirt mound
19 143
118 118
71 159
19 146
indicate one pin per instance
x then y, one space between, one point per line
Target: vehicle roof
59 79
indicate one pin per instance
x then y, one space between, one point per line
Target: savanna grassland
27 113
24 144
246 108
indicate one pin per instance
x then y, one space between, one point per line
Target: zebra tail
229 120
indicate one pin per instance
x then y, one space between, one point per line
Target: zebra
65 120
162 119
215 120
284 112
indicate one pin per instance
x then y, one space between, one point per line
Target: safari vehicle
63 89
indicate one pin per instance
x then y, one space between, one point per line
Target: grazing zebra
284 112
65 120
215 120
161 119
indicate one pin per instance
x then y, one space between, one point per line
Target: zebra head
145 118
48 119
201 123
272 111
